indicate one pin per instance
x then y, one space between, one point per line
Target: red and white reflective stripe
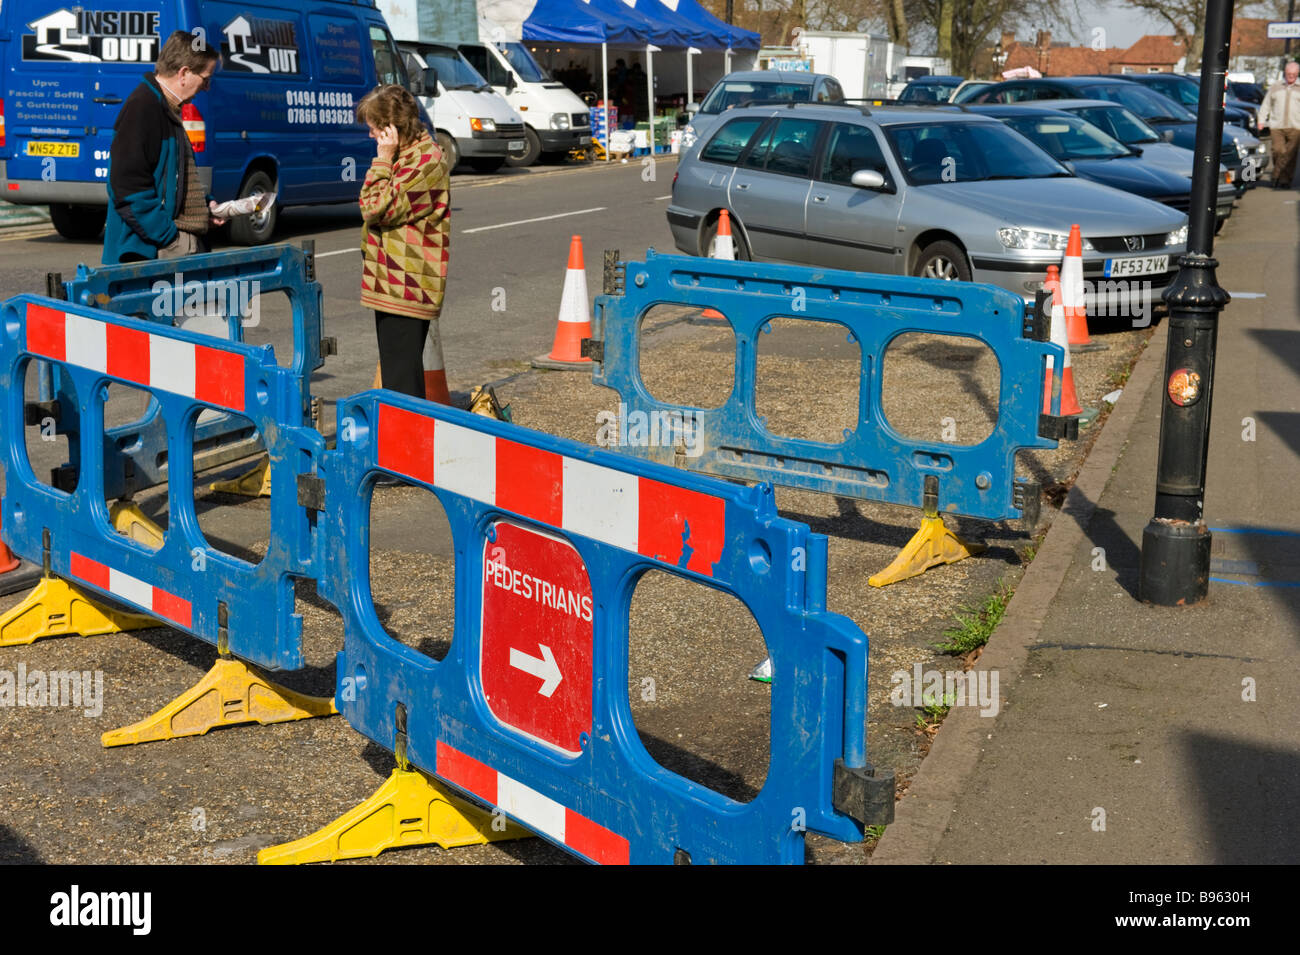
530 807
624 510
133 590
210 375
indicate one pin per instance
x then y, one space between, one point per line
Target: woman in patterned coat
406 205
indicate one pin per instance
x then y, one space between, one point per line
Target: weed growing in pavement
873 833
933 713
976 625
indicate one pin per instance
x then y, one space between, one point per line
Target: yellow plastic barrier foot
254 483
55 608
129 521
409 809
231 693
932 545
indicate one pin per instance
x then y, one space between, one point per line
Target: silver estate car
919 191
747 87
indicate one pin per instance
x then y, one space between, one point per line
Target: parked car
930 89
1093 154
1185 90
1133 131
279 115
914 191
749 87
1173 120
471 121
966 92
1248 91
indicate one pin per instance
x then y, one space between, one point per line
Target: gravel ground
221 797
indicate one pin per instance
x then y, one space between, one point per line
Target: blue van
279 114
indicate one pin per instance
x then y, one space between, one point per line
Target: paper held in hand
244 207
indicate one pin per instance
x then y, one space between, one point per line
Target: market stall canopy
555 21
696 35
649 28
692 11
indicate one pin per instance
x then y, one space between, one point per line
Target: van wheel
449 151
487 163
942 260
79 223
255 229
532 149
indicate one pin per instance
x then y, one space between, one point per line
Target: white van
472 122
555 120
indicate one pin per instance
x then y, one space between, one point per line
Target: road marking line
662 198
1248 294
506 225
323 255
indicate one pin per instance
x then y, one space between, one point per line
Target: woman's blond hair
392 105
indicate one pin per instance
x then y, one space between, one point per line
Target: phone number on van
310 106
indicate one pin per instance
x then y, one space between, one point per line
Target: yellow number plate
62 150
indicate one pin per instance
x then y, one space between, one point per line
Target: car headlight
559 121
1242 149
1177 237
482 125
1030 241
688 137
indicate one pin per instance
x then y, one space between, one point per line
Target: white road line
507 225
662 198
322 255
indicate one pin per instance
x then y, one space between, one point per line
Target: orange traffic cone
574 322
15 574
1069 401
724 247
435 375
1076 309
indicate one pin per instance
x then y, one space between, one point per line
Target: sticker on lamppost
536 644
1184 387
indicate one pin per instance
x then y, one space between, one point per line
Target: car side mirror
692 108
1135 150
430 82
510 82
868 179
1167 135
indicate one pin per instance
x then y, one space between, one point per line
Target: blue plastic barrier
187 583
874 462
134 458
529 711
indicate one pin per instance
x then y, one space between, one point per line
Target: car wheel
1218 224
737 241
255 229
79 223
449 150
942 260
532 149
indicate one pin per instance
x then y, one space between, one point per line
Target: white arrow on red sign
544 668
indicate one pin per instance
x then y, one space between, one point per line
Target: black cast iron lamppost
1176 543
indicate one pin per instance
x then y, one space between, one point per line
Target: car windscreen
968 152
1152 107
1067 137
453 72
523 63
743 92
1119 123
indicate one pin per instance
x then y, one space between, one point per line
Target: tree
963 28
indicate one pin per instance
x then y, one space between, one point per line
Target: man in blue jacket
157 207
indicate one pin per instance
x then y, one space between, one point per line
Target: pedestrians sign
537 636
1284 31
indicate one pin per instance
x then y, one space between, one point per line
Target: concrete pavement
1137 734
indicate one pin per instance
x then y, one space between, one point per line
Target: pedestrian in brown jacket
1280 113
406 206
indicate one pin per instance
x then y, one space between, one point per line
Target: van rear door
67 71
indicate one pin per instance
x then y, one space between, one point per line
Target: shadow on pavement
14 850
1251 798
